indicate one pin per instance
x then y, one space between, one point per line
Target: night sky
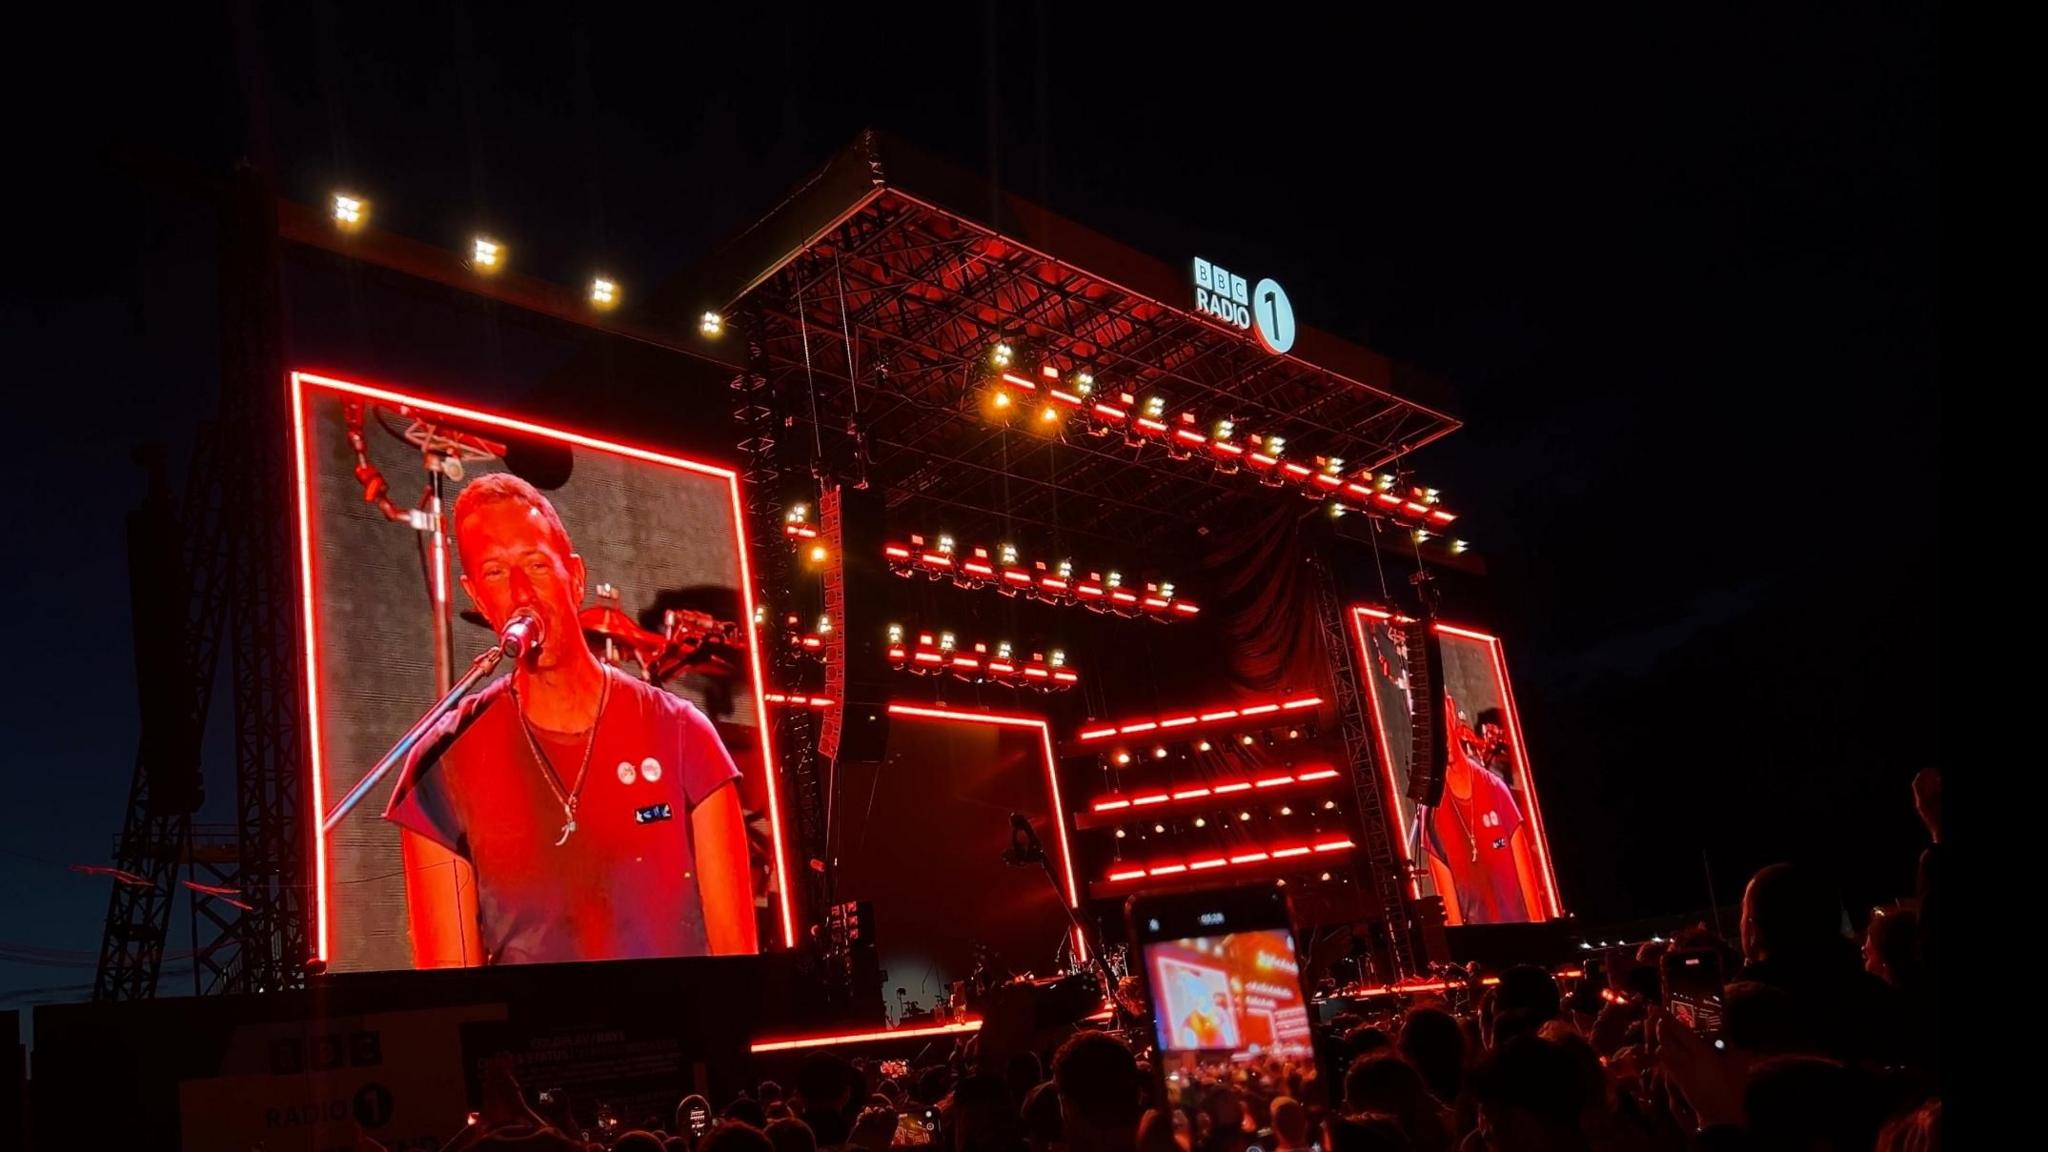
1680 267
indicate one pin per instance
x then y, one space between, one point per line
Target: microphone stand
479 670
1035 850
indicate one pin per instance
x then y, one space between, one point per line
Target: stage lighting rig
351 213
711 324
604 292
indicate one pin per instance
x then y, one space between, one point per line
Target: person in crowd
1367 1039
1794 937
1365 1132
1290 1125
1915 1131
1041 1117
1098 1084
768 1093
983 1116
1529 1097
1762 1020
874 1130
1891 947
1023 1073
1388 1084
824 1088
735 1138
790 1134
1800 1103
639 1140
746 1111
1433 1042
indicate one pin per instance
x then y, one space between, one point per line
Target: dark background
1681 267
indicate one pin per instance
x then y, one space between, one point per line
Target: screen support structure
1382 860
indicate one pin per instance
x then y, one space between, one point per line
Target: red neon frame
1200 718
1228 786
828 1040
1052 784
1239 858
1359 615
301 469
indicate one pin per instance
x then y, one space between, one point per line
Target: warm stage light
711 324
1155 407
1084 383
819 553
1244 815
1245 740
946 544
1275 445
1201 823
895 633
1159 753
1001 400
1329 805
824 624
1224 428
1123 758
1008 555
1159 828
948 642
603 293
1001 355
350 212
1057 658
1421 535
1048 415
1459 547
1204 746
486 255
1336 510
1120 833
1286 811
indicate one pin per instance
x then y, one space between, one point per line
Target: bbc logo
1222 282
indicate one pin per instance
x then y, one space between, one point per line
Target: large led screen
1482 848
602 795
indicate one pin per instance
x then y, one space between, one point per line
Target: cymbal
606 621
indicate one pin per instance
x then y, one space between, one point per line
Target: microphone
522 635
1024 846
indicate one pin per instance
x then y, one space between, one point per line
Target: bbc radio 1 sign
1261 308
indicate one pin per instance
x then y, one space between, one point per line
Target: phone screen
1692 990
1228 1007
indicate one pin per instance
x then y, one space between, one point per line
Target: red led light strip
300 382
977 567
1415 507
1421 986
1052 784
1359 615
1206 717
829 1040
799 701
1119 801
926 656
1240 858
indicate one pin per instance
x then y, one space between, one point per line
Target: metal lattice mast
1382 858
271 934
237 549
757 414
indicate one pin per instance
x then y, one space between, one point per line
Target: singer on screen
598 815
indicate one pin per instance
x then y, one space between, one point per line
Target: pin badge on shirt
651 769
627 774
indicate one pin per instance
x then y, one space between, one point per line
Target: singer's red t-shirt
623 885
1489 889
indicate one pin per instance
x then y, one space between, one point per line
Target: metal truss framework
1381 861
237 550
884 324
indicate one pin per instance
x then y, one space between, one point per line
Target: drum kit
689 641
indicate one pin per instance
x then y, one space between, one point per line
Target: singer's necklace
568 796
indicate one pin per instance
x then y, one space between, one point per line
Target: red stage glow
1183 720
833 1039
1554 906
1052 784
1242 859
300 383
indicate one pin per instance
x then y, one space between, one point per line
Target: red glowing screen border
300 383
1052 782
1359 615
